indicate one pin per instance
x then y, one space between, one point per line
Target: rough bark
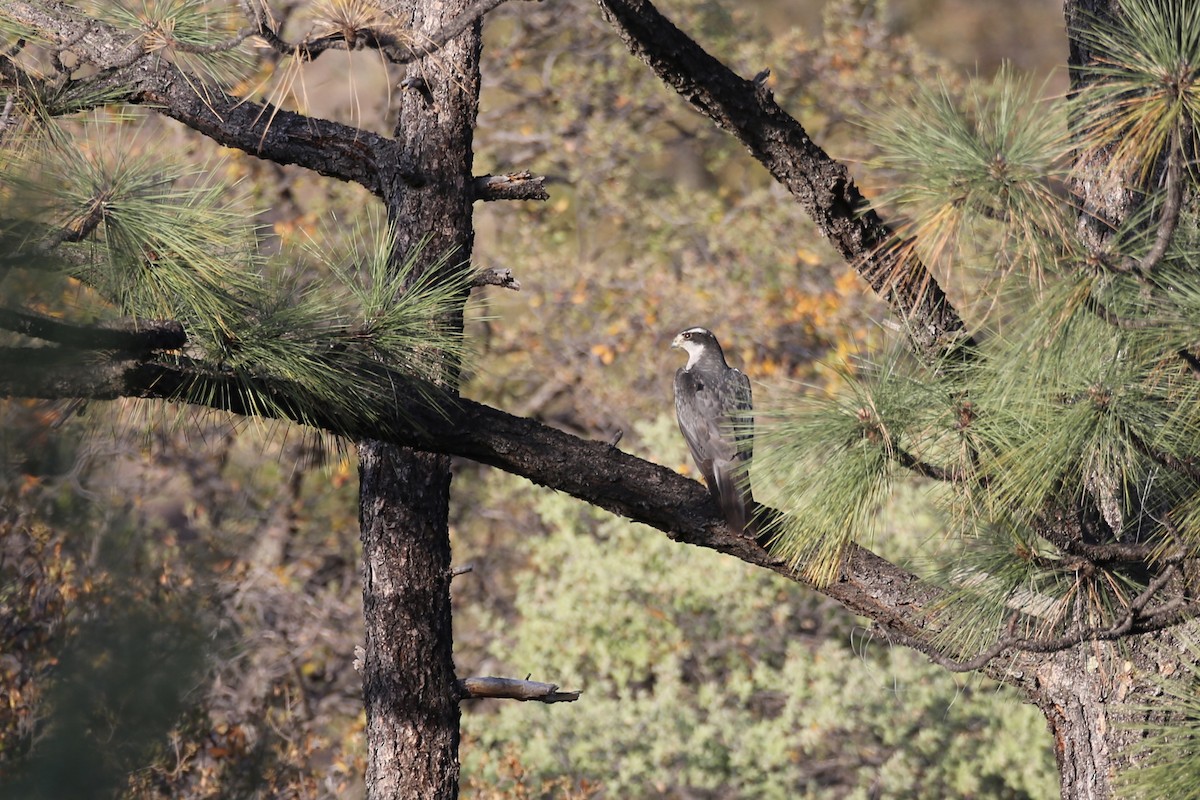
408 673
409 686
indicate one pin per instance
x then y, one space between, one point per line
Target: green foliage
1145 86
1075 396
164 241
738 685
977 171
197 35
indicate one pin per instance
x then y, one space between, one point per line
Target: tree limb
513 186
1172 204
390 43
132 336
497 276
260 129
595 472
1127 624
924 468
513 689
823 186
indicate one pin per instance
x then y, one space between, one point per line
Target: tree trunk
1092 696
1074 695
408 671
409 686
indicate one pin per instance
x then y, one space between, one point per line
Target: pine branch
1168 615
595 472
823 186
131 336
1065 535
924 468
1124 323
1192 361
260 129
1172 204
1184 466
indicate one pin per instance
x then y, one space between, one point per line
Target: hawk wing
698 411
716 421
739 408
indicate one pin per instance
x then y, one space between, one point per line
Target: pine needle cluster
320 336
1080 401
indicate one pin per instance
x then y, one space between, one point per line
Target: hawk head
698 343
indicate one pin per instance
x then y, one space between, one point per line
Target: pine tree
1055 419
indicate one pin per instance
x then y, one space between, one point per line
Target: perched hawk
712 404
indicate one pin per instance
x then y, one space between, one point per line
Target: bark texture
409 686
408 672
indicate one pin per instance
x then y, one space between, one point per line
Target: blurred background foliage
179 595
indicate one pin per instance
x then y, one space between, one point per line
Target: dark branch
1191 360
1172 205
595 472
514 186
1124 323
1127 624
1065 535
285 137
821 185
130 336
497 276
924 468
1184 466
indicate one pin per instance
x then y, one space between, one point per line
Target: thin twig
216 47
924 468
392 48
1185 466
1192 361
1169 220
1117 321
1033 645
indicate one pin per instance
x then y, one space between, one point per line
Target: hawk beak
677 342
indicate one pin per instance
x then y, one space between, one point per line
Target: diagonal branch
595 472
822 186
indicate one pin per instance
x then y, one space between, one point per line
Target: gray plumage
715 413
